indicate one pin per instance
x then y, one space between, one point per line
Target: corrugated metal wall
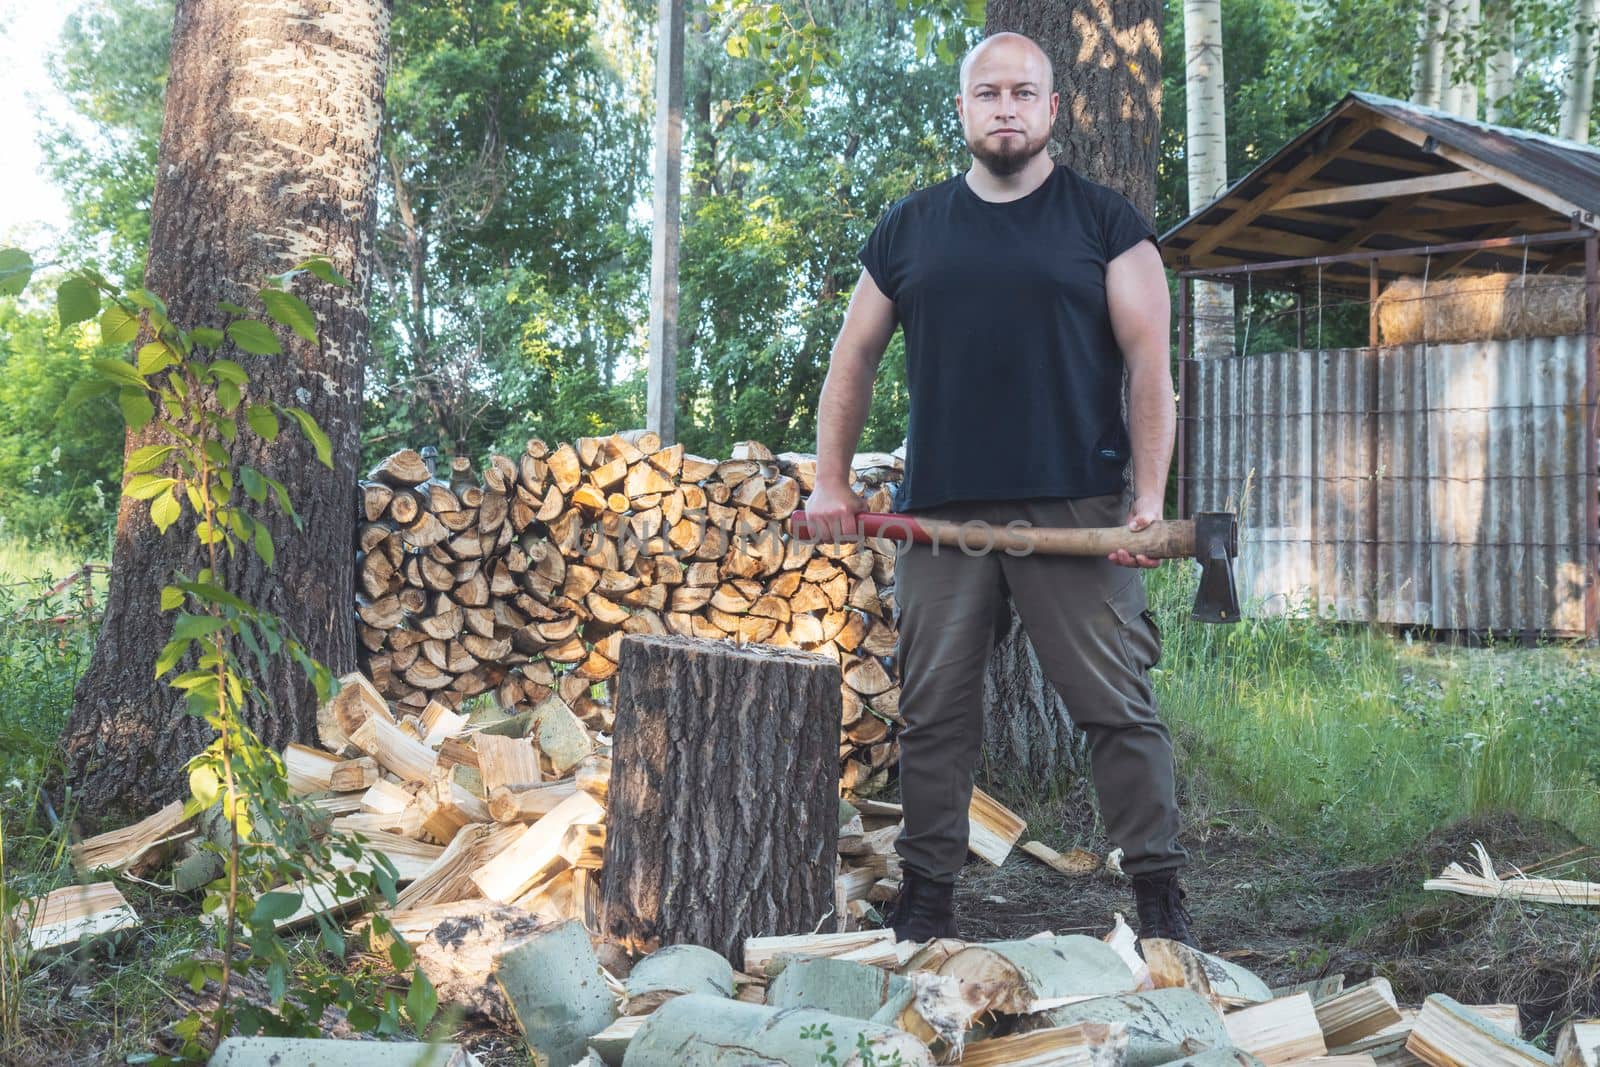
1436 485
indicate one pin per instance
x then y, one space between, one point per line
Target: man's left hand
1145 510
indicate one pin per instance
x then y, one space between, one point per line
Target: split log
676 971
1081 1045
356 701
1448 1034
456 945
770 955
329 1052
854 990
1174 964
449 878
403 468
557 993
1279 1031
527 805
536 852
507 762
1037 974
70 915
1230 1057
395 750
686 788
1163 1024
1357 1012
1579 1045
124 849
702 1031
992 828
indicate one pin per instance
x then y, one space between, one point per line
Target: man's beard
1007 160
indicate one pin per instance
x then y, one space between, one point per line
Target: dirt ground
1290 917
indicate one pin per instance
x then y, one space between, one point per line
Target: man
1026 293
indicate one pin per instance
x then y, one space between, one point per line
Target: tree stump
724 797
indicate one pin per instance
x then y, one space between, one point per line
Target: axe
1211 538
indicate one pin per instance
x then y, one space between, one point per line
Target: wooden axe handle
1159 540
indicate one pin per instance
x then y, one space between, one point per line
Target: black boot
1159 900
923 910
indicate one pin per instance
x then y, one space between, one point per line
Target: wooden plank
1579 1045
1355 129
1346 194
536 852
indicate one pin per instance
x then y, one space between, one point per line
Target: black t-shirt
1014 372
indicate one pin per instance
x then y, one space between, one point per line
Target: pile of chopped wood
525 584
496 826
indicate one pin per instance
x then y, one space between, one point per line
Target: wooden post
662 389
724 797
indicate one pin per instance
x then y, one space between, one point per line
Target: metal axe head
1216 544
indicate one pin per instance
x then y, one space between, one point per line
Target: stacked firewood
525 584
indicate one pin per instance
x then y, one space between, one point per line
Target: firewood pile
525 584
496 825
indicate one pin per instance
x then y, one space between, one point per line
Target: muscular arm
847 397
1136 293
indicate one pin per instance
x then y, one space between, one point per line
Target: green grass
1363 742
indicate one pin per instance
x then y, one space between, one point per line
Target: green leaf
254 337
263 420
263 543
226 370
206 337
255 486
155 357
228 307
147 486
314 434
290 311
165 511
322 269
137 410
77 300
86 389
271 907
204 784
400 956
228 396
421 1001
147 458
16 268
119 371
193 627
117 327
171 598
149 301
171 653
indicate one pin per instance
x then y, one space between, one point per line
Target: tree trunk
662 379
1428 69
723 809
1458 79
1578 100
1207 160
1500 68
269 154
1107 59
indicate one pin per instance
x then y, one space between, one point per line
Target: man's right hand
831 510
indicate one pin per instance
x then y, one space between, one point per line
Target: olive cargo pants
1096 643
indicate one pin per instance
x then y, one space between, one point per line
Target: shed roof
1377 173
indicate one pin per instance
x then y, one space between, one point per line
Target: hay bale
1480 307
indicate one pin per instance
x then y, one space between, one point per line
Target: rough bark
1578 100
1207 159
723 806
1459 78
1028 737
269 154
1107 60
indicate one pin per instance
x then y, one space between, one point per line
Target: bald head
1011 52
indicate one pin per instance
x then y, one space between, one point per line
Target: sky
31 210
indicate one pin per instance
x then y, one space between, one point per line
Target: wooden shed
1442 478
